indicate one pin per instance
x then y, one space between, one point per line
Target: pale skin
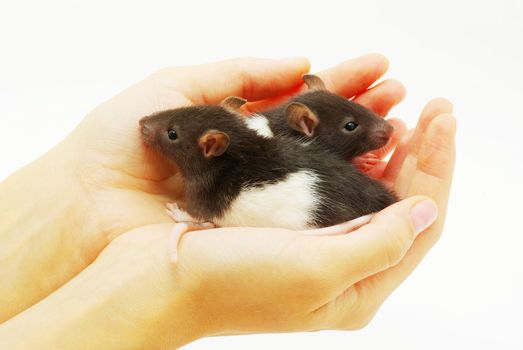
103 189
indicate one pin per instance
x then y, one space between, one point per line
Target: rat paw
366 162
181 216
178 214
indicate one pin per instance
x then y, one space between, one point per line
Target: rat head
344 126
192 137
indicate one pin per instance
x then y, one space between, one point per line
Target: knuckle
397 244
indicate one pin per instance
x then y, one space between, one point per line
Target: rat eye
172 134
351 126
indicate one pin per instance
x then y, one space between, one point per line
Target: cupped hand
128 184
339 282
237 280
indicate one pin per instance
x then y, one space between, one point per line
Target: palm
127 187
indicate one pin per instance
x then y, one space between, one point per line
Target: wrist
41 205
118 302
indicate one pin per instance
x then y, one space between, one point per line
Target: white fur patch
286 204
260 124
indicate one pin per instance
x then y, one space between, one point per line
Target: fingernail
423 215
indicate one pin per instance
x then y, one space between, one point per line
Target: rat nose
383 134
147 130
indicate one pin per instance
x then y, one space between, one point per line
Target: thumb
382 243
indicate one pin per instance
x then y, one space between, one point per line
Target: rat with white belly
340 125
237 176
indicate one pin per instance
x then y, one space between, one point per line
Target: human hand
228 280
422 164
245 286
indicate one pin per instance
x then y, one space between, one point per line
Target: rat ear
313 82
213 143
301 118
233 103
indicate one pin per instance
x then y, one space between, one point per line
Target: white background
58 60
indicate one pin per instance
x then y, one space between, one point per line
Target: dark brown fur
333 113
252 160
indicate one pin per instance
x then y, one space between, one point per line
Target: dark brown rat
237 176
342 126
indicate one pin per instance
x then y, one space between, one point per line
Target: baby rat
237 176
342 126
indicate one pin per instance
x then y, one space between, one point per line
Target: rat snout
147 130
383 134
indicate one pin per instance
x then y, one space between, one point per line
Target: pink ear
213 143
301 118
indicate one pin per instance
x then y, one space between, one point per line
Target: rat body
238 175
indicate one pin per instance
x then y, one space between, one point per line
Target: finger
263 105
435 165
436 157
404 177
376 172
354 76
380 244
251 78
383 97
433 178
348 79
396 160
434 108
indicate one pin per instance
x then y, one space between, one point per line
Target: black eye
172 134
350 126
